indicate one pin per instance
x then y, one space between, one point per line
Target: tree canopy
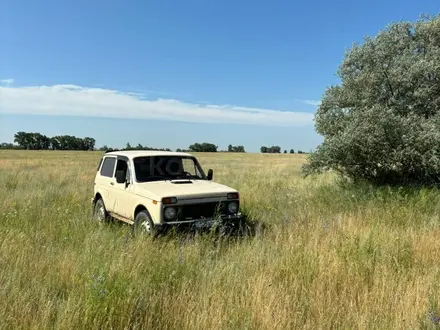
232 148
381 124
202 147
270 150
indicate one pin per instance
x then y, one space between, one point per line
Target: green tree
232 148
381 124
203 147
272 149
23 139
292 151
89 143
6 145
32 141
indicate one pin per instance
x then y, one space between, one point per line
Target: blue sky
171 73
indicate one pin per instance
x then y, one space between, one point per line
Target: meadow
331 256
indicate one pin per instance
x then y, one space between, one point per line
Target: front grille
204 210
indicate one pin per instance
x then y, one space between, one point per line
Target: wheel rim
100 213
142 226
145 224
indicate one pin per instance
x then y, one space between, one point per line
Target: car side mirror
120 176
210 174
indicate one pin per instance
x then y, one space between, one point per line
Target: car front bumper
206 222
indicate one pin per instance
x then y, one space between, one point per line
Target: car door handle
112 183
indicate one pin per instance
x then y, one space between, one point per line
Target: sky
172 73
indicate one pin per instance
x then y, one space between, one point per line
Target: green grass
332 256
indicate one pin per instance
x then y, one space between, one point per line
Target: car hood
184 189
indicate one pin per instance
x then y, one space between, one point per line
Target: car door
105 181
122 191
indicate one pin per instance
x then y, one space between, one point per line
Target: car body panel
186 189
103 186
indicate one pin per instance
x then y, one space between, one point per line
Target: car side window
108 166
122 165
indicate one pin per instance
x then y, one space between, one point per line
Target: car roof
145 153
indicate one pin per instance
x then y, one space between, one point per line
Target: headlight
169 213
232 207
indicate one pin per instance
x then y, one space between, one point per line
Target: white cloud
6 81
311 102
75 100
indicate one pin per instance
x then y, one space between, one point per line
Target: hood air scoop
182 181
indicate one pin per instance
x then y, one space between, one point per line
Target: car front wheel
99 212
143 225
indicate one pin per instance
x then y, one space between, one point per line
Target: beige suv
153 190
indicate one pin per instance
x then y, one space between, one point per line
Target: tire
144 226
99 212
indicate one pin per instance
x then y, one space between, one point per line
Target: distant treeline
129 147
277 150
38 141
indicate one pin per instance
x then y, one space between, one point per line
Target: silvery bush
381 124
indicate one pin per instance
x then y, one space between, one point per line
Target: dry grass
333 256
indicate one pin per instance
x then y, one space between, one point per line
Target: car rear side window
108 166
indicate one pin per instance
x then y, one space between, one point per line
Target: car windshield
156 168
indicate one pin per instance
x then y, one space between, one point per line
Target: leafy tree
273 149
89 143
292 151
22 139
31 141
203 147
232 148
6 145
54 145
285 151
381 124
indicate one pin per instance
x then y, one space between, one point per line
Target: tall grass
332 256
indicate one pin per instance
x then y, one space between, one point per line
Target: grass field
332 256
